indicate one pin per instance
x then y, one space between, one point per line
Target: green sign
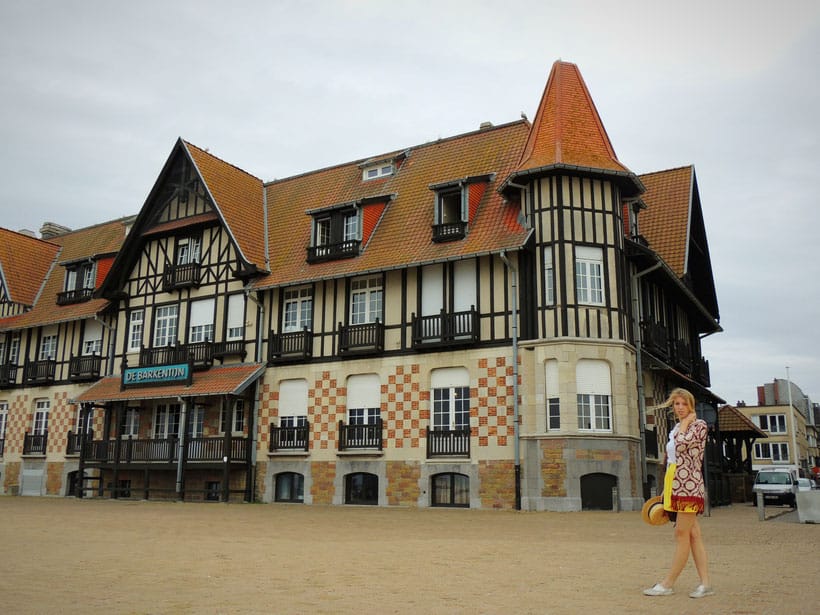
159 374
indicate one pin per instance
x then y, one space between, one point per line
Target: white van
778 486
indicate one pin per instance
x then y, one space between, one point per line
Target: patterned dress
687 489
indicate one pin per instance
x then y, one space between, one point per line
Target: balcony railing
199 353
289 438
449 231
448 442
40 372
682 355
233 348
72 446
35 444
701 372
366 338
8 375
78 295
84 367
333 251
181 276
655 338
165 450
294 346
446 329
360 436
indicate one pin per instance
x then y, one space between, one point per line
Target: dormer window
377 171
336 234
79 283
456 205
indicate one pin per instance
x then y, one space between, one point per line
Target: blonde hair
682 393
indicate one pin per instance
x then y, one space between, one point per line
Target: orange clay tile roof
567 128
24 264
403 236
102 239
731 419
224 380
238 197
665 221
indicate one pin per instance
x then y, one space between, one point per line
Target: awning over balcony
225 380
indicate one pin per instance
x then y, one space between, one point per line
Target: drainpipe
636 334
516 427
181 444
252 427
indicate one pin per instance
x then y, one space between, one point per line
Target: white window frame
297 309
766 450
196 420
39 421
14 350
377 171
236 317
136 328
448 211
166 319
201 326
189 250
78 423
552 397
366 300
92 338
48 347
767 421
167 421
130 426
350 226
594 395
4 413
363 399
549 277
589 275
238 417
293 402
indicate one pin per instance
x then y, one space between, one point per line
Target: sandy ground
62 555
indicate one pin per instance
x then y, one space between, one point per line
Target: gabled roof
238 198
74 246
567 131
673 226
730 419
404 234
24 264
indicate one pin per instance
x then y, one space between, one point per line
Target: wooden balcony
39 372
233 348
361 339
199 353
445 329
73 442
682 355
165 450
448 442
35 444
289 438
360 436
333 251
78 295
84 368
701 372
450 231
655 339
181 276
295 346
8 375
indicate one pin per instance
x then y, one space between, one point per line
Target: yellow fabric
667 493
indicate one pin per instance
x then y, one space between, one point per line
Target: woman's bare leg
699 554
683 546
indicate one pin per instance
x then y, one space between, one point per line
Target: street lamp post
793 420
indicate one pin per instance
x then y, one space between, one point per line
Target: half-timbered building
485 320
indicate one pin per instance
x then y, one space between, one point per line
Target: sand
62 555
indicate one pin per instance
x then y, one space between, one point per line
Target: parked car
805 484
778 486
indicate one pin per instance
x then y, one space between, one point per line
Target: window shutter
363 391
432 296
593 377
202 312
464 286
293 398
551 369
447 377
236 311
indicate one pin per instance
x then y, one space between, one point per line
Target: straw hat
653 512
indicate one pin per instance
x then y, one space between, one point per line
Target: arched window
362 488
450 489
290 487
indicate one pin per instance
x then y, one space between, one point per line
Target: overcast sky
93 95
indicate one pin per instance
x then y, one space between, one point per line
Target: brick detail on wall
261 488
497 484
553 469
403 483
11 475
405 408
328 408
54 478
323 473
494 399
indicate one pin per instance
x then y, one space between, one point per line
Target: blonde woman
683 493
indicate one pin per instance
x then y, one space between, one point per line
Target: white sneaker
658 590
701 591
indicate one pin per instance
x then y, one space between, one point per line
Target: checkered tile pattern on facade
268 410
495 395
327 409
62 418
18 422
405 409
